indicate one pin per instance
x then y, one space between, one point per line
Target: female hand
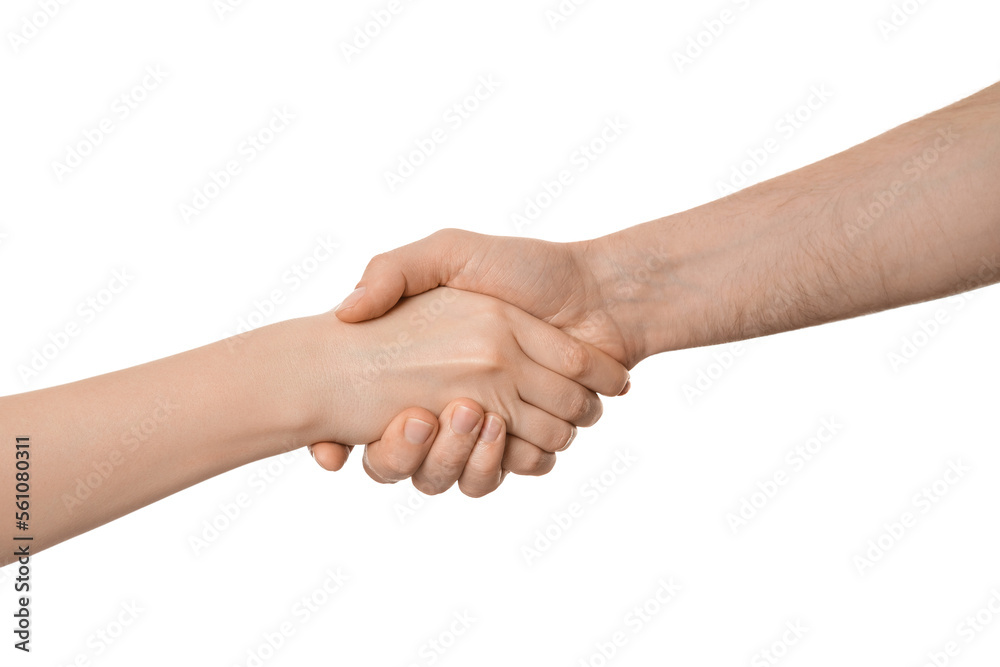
446 343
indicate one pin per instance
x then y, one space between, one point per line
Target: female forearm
911 215
103 447
108 445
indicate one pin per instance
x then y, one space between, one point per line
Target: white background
696 460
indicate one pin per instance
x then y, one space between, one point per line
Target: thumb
330 455
407 271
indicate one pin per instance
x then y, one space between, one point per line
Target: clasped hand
524 386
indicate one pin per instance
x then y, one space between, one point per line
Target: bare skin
908 216
296 383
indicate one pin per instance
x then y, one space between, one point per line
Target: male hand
466 444
576 287
573 286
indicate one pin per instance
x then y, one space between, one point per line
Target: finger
537 426
559 397
329 455
403 446
483 472
571 358
523 458
406 271
460 421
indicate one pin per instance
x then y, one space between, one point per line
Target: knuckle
537 462
545 464
388 465
378 260
585 408
596 411
450 455
493 313
479 469
576 359
447 234
452 460
394 468
492 358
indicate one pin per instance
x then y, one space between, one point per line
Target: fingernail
464 420
572 437
351 300
417 431
628 385
491 431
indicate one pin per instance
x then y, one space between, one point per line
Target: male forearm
911 215
106 446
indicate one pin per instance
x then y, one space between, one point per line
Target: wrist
322 359
298 367
346 377
685 280
658 283
620 300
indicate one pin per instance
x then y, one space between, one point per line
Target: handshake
507 341
539 329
